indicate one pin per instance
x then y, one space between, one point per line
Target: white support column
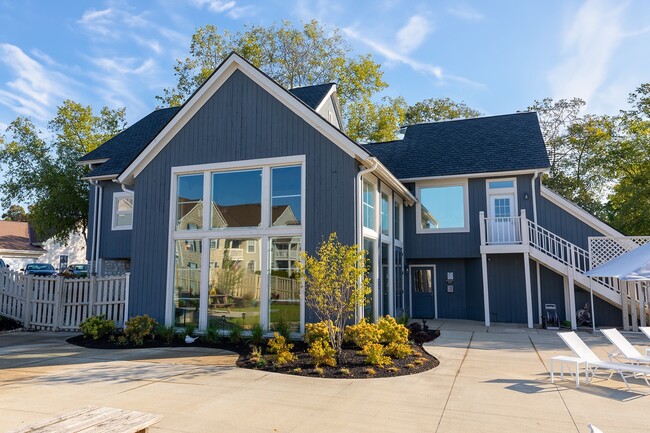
572 300
539 294
529 293
567 304
631 288
641 290
486 296
626 316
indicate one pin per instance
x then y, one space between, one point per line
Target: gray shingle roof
312 95
122 149
479 145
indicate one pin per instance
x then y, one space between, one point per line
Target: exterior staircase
521 235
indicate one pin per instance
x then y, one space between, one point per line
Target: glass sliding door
369 246
385 279
284 282
187 281
399 281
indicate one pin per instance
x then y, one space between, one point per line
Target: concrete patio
492 380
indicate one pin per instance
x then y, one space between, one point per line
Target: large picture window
234 263
368 205
442 208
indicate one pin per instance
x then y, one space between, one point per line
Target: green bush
392 332
166 334
211 335
235 334
322 353
282 327
281 349
363 333
140 328
257 334
97 327
190 328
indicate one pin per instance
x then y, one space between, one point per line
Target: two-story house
209 205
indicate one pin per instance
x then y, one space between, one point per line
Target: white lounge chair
624 347
645 330
594 429
593 363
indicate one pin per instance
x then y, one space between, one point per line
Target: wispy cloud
466 12
229 7
34 91
117 77
414 33
393 55
588 46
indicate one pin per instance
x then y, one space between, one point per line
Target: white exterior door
502 228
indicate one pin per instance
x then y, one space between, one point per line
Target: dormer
322 99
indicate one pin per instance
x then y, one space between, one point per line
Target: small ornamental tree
336 285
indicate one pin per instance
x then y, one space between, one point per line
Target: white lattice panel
602 250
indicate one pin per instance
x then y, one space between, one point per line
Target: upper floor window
385 214
398 220
286 199
442 208
368 205
236 199
122 211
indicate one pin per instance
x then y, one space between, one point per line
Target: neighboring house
438 211
20 246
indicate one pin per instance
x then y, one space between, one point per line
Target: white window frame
501 191
442 183
117 196
400 230
264 232
373 235
250 244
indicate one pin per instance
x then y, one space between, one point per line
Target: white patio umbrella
631 266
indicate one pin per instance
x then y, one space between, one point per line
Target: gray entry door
423 292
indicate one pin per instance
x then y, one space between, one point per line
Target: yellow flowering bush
322 353
281 350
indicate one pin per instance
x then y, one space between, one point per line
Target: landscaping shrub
282 327
363 333
403 319
392 332
257 334
166 334
317 331
281 349
235 334
211 335
190 328
322 353
97 327
375 355
398 350
140 328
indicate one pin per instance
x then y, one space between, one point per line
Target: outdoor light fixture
525 196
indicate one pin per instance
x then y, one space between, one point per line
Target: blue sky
497 56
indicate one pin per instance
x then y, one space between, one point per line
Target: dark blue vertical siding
507 288
240 121
113 244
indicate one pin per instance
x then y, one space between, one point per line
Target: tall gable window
443 207
244 245
122 211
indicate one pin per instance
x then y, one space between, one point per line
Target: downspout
359 213
534 193
94 233
99 226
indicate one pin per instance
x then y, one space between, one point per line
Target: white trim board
578 212
219 77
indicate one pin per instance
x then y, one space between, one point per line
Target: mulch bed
352 366
9 324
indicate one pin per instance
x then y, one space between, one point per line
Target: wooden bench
96 419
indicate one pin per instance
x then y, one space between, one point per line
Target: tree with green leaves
337 285
45 172
629 161
292 56
15 213
437 109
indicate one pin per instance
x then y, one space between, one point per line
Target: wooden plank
95 419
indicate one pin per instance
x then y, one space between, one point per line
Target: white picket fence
58 303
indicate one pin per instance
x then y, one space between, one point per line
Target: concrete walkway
488 381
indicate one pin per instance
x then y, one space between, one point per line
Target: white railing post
27 305
481 218
523 227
